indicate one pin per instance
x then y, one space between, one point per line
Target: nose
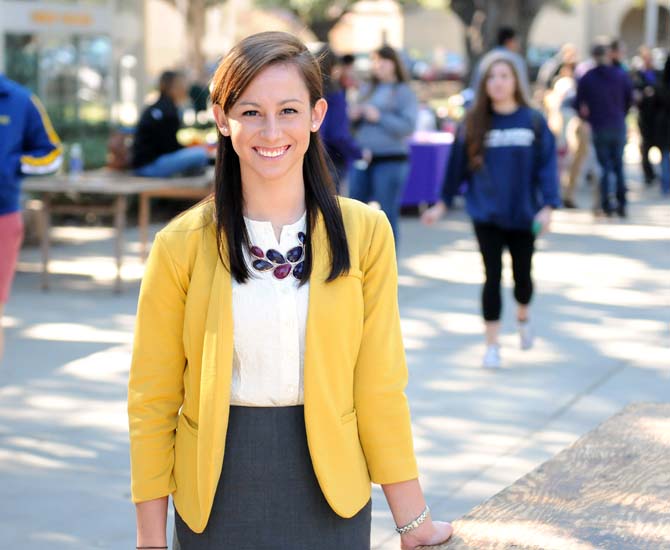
271 130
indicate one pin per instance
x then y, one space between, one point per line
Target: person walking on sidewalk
383 119
267 382
29 145
645 80
604 95
335 131
507 155
661 133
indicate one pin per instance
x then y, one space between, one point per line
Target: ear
221 120
318 114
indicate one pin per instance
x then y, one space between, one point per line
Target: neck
505 107
280 202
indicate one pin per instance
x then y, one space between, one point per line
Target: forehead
501 67
275 84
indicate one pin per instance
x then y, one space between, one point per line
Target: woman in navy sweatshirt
506 154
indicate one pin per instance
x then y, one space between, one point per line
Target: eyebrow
252 104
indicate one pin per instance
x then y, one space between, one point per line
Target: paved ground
602 316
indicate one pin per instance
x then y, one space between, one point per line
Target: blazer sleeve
156 387
457 167
384 425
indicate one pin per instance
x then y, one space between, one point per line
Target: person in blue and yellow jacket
28 145
267 382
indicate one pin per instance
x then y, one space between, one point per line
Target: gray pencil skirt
268 497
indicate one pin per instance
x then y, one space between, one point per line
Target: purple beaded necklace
280 265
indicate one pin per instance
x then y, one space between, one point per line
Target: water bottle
76 160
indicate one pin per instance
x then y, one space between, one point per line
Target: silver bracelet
414 524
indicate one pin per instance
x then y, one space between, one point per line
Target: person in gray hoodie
383 120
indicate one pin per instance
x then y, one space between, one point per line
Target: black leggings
521 244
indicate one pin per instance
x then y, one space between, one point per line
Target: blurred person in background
584 165
604 95
645 78
29 145
506 153
617 54
156 151
507 41
559 103
383 120
348 79
550 69
335 131
661 133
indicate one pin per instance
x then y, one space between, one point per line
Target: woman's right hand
434 213
430 533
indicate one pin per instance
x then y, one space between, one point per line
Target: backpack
120 150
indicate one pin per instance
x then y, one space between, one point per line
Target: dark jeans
384 182
645 145
609 145
492 241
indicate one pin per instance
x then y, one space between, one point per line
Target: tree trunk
483 18
196 18
322 27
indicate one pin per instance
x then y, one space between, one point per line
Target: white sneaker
526 336
492 357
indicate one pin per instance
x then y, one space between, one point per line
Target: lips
272 152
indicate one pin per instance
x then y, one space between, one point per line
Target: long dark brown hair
478 119
244 62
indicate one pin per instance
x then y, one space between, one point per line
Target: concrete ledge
611 489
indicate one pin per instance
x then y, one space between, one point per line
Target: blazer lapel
215 381
317 289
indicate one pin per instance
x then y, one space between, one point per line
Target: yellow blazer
356 412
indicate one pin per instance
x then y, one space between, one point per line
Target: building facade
84 59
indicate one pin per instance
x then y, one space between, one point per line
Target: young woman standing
267 384
383 119
506 154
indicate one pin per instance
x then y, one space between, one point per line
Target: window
72 76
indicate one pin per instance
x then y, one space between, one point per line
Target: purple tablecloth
429 155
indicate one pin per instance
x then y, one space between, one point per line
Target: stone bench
610 490
118 186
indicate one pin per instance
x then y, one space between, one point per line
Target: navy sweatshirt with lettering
519 175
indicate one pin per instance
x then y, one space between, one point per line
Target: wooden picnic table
610 490
114 184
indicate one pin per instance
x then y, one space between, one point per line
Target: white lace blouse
269 318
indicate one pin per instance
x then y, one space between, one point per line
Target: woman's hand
355 112
371 113
543 217
427 534
434 213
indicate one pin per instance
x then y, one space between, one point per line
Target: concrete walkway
601 314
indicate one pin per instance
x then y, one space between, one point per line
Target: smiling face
270 124
501 82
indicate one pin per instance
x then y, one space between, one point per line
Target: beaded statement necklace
281 267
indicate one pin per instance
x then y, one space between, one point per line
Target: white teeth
271 153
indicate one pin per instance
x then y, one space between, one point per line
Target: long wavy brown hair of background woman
478 119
